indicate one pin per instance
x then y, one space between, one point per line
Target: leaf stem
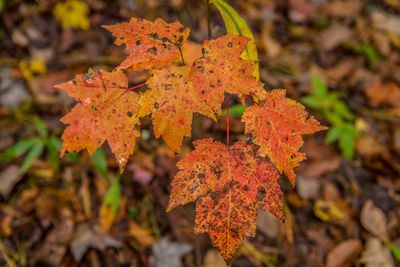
180 50
136 86
251 99
227 120
208 19
133 88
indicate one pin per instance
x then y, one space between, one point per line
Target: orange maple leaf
276 126
150 44
221 70
172 102
102 114
230 183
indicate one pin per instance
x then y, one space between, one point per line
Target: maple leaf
221 70
276 126
150 44
230 184
102 114
172 102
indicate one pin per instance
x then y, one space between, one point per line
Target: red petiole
227 121
133 88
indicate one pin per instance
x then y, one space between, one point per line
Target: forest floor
344 210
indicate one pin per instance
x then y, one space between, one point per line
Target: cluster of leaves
336 112
229 183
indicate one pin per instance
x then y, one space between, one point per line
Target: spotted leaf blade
277 126
221 70
235 24
229 184
102 114
172 102
149 44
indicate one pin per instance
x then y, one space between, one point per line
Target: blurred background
339 58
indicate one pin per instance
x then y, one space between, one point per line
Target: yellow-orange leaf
221 70
230 184
276 126
172 102
104 113
149 44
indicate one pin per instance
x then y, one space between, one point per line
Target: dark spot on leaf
164 39
138 42
181 30
261 194
201 175
154 36
230 44
203 51
152 50
129 114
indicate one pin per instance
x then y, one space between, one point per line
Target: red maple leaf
230 184
150 44
102 114
221 70
276 126
172 102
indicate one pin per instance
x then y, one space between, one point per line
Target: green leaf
55 143
99 162
346 144
370 53
1 5
41 126
368 50
235 24
18 149
395 250
74 156
340 108
133 212
113 195
319 86
331 98
52 154
35 152
235 110
351 129
334 119
312 102
333 134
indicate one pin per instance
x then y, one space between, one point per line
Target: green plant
33 148
338 115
